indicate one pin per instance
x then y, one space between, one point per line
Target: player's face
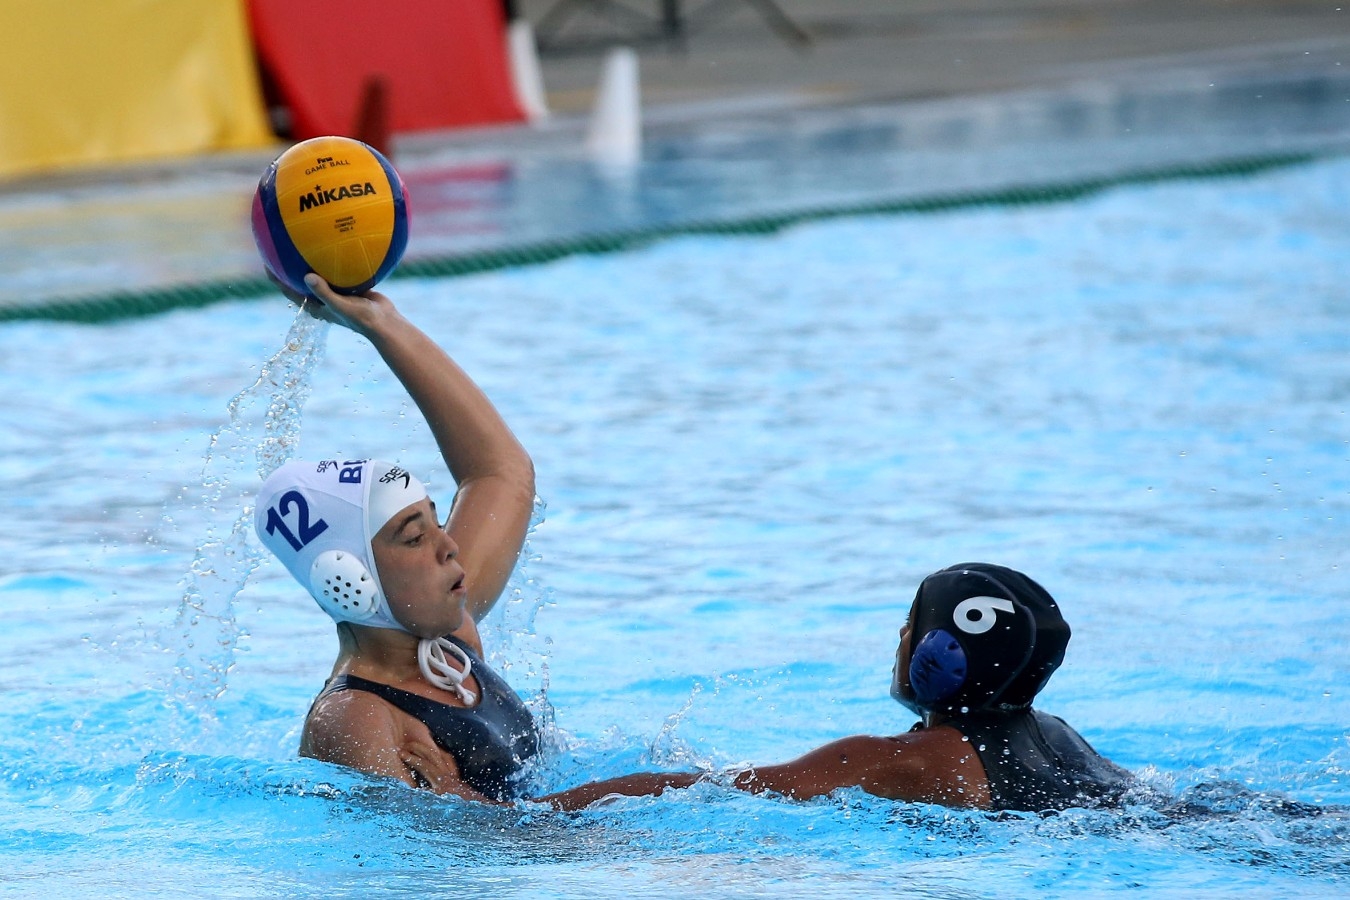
421 576
900 687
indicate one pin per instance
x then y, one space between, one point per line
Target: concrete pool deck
897 50
944 96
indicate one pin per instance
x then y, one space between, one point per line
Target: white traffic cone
615 135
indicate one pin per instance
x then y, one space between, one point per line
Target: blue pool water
749 451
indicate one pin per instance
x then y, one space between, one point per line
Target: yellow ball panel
337 205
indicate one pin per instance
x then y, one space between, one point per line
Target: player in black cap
980 643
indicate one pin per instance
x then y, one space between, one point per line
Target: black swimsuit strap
415 705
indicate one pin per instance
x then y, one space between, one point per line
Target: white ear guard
341 585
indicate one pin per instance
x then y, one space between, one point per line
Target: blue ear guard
937 668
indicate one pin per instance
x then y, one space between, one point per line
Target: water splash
515 648
514 636
667 748
205 633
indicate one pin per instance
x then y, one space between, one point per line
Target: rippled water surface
750 450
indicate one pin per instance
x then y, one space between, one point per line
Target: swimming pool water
750 450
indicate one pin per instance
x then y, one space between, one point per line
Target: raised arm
494 474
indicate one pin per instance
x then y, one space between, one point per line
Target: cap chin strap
437 670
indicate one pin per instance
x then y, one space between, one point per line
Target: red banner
429 64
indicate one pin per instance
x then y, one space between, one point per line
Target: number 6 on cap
985 608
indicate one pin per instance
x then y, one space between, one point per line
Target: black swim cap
984 637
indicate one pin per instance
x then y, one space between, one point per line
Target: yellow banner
84 82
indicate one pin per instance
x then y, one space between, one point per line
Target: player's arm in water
932 766
495 476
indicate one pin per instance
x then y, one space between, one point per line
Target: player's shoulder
340 720
933 765
911 750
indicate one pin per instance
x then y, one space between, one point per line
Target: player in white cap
404 588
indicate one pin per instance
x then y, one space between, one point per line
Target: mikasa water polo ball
334 206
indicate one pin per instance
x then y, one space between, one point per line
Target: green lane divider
128 304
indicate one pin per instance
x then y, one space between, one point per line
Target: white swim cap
318 519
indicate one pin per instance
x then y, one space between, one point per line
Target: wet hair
982 637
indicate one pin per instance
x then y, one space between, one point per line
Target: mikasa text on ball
333 206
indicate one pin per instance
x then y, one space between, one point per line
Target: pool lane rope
130 304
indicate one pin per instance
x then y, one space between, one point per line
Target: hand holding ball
333 206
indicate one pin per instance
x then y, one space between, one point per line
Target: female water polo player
404 590
980 643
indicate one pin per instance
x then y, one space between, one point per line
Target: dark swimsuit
1036 762
490 743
